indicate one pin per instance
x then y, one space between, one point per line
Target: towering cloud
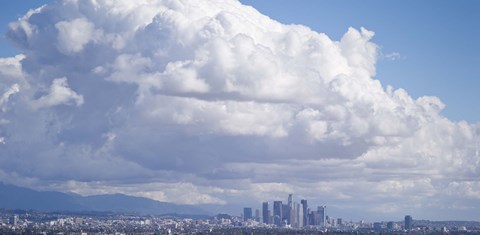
209 101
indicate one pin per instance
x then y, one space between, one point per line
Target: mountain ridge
15 197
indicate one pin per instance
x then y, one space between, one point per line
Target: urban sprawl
289 218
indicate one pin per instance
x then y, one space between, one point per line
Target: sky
366 107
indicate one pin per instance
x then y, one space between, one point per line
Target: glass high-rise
305 212
277 213
247 213
322 213
291 211
408 222
265 214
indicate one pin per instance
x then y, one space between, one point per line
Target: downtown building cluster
300 217
292 214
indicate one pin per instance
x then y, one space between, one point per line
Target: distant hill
14 197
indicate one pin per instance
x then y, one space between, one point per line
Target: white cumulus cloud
226 101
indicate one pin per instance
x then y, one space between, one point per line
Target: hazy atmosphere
215 102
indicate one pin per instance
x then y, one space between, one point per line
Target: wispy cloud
394 56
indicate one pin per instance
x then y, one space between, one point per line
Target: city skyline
40 223
292 214
226 103
298 215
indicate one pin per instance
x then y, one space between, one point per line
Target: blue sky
210 102
437 41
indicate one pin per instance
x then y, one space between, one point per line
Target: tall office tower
290 214
265 215
285 213
257 215
296 215
277 213
408 222
247 213
300 216
305 212
313 218
322 213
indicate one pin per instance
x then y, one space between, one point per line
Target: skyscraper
322 213
300 215
277 213
408 222
285 214
247 213
313 218
290 213
296 215
305 212
265 214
